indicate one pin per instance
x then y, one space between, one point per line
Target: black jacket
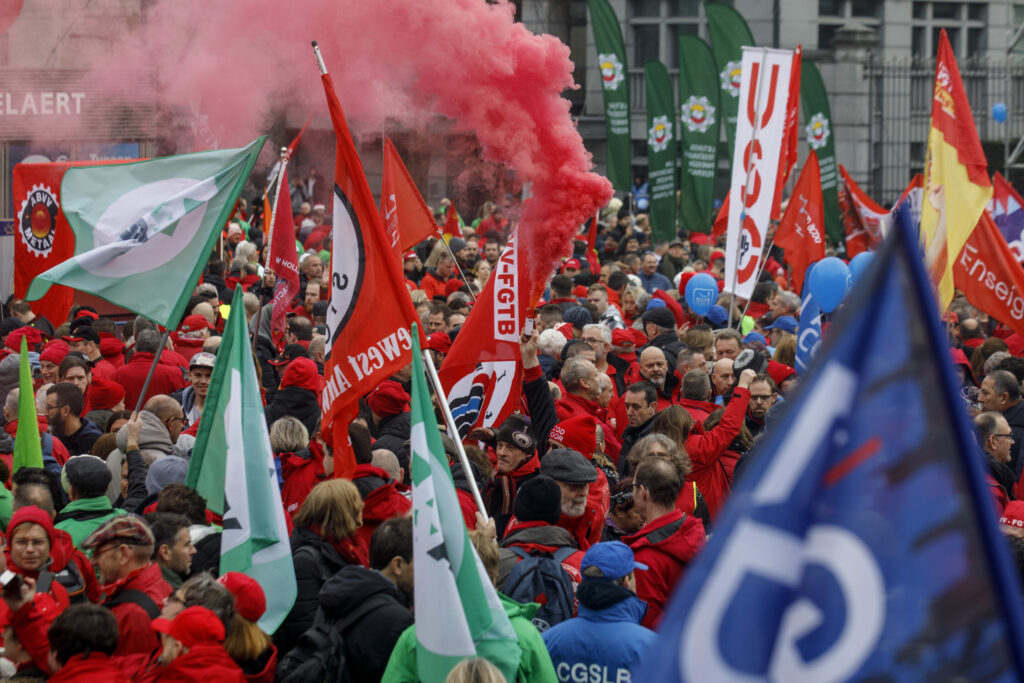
316 561
670 345
629 437
370 636
295 401
392 433
1015 417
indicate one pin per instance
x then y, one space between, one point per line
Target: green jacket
6 507
534 666
83 516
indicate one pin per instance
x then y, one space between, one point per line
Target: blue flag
809 335
861 544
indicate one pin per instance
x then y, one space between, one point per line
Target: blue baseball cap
717 317
613 558
755 337
786 323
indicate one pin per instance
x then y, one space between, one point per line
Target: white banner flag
764 92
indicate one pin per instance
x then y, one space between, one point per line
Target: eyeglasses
593 341
760 397
1004 436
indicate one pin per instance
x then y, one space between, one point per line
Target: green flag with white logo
233 438
818 128
729 33
458 613
699 116
611 63
662 150
144 230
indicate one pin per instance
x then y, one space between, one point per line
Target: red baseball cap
622 337
250 602
194 323
439 341
192 626
573 263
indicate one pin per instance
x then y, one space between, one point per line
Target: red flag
406 217
451 223
295 143
370 313
802 230
595 263
989 275
721 225
482 374
871 219
282 259
788 158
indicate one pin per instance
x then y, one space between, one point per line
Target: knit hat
54 351
170 469
660 316
565 464
302 373
538 500
33 515
578 316
250 602
127 528
33 338
516 431
578 433
104 394
456 244
88 474
388 398
192 626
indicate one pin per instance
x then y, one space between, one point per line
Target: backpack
540 578
320 654
135 597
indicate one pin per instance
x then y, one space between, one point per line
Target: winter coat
534 663
629 437
203 663
30 624
541 406
571 406
81 517
300 471
94 667
80 443
666 545
392 433
606 639
1015 418
710 472
316 561
534 537
370 640
133 622
132 375
381 499
298 402
500 491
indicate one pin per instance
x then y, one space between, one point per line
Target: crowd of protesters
637 418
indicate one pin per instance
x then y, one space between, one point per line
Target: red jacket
203 663
103 369
698 410
30 624
710 472
300 475
666 545
571 564
433 286
133 623
572 405
380 504
95 667
187 346
132 375
586 528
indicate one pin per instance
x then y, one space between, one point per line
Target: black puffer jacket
392 433
295 401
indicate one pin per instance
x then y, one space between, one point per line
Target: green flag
28 450
699 127
818 118
458 613
662 150
729 33
233 438
611 61
143 230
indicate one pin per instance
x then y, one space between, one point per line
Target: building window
834 14
656 26
965 24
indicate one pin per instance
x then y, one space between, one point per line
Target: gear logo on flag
660 133
731 77
817 131
611 71
697 113
37 219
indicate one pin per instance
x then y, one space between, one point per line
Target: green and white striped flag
458 612
143 230
233 438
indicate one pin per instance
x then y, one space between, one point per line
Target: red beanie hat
55 351
779 372
389 398
302 373
578 433
250 602
34 515
452 286
683 279
104 394
32 336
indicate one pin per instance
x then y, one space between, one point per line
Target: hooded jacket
536 537
534 663
297 396
204 662
392 433
606 639
381 499
500 491
370 638
94 667
711 474
265 350
133 623
666 545
81 517
300 471
132 375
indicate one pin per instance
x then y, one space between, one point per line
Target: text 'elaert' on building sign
53 103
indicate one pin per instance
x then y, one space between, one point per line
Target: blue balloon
829 282
701 293
999 112
859 265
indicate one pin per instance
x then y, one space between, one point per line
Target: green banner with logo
729 33
699 125
662 150
611 62
818 127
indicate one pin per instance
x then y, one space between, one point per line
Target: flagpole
457 266
270 246
757 276
746 183
152 369
435 381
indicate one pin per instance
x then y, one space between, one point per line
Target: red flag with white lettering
988 274
407 218
282 258
370 312
482 374
801 232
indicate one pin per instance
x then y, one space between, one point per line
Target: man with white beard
574 474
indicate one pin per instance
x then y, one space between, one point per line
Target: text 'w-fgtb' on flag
233 438
482 373
862 543
140 226
458 612
370 311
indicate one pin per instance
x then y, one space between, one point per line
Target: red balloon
9 11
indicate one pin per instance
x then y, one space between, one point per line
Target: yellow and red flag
956 182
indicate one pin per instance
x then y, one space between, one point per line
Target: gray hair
790 300
602 330
207 291
574 371
247 250
288 435
994 360
550 343
147 341
11 402
696 385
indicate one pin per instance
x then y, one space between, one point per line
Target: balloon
701 293
999 112
859 264
829 282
